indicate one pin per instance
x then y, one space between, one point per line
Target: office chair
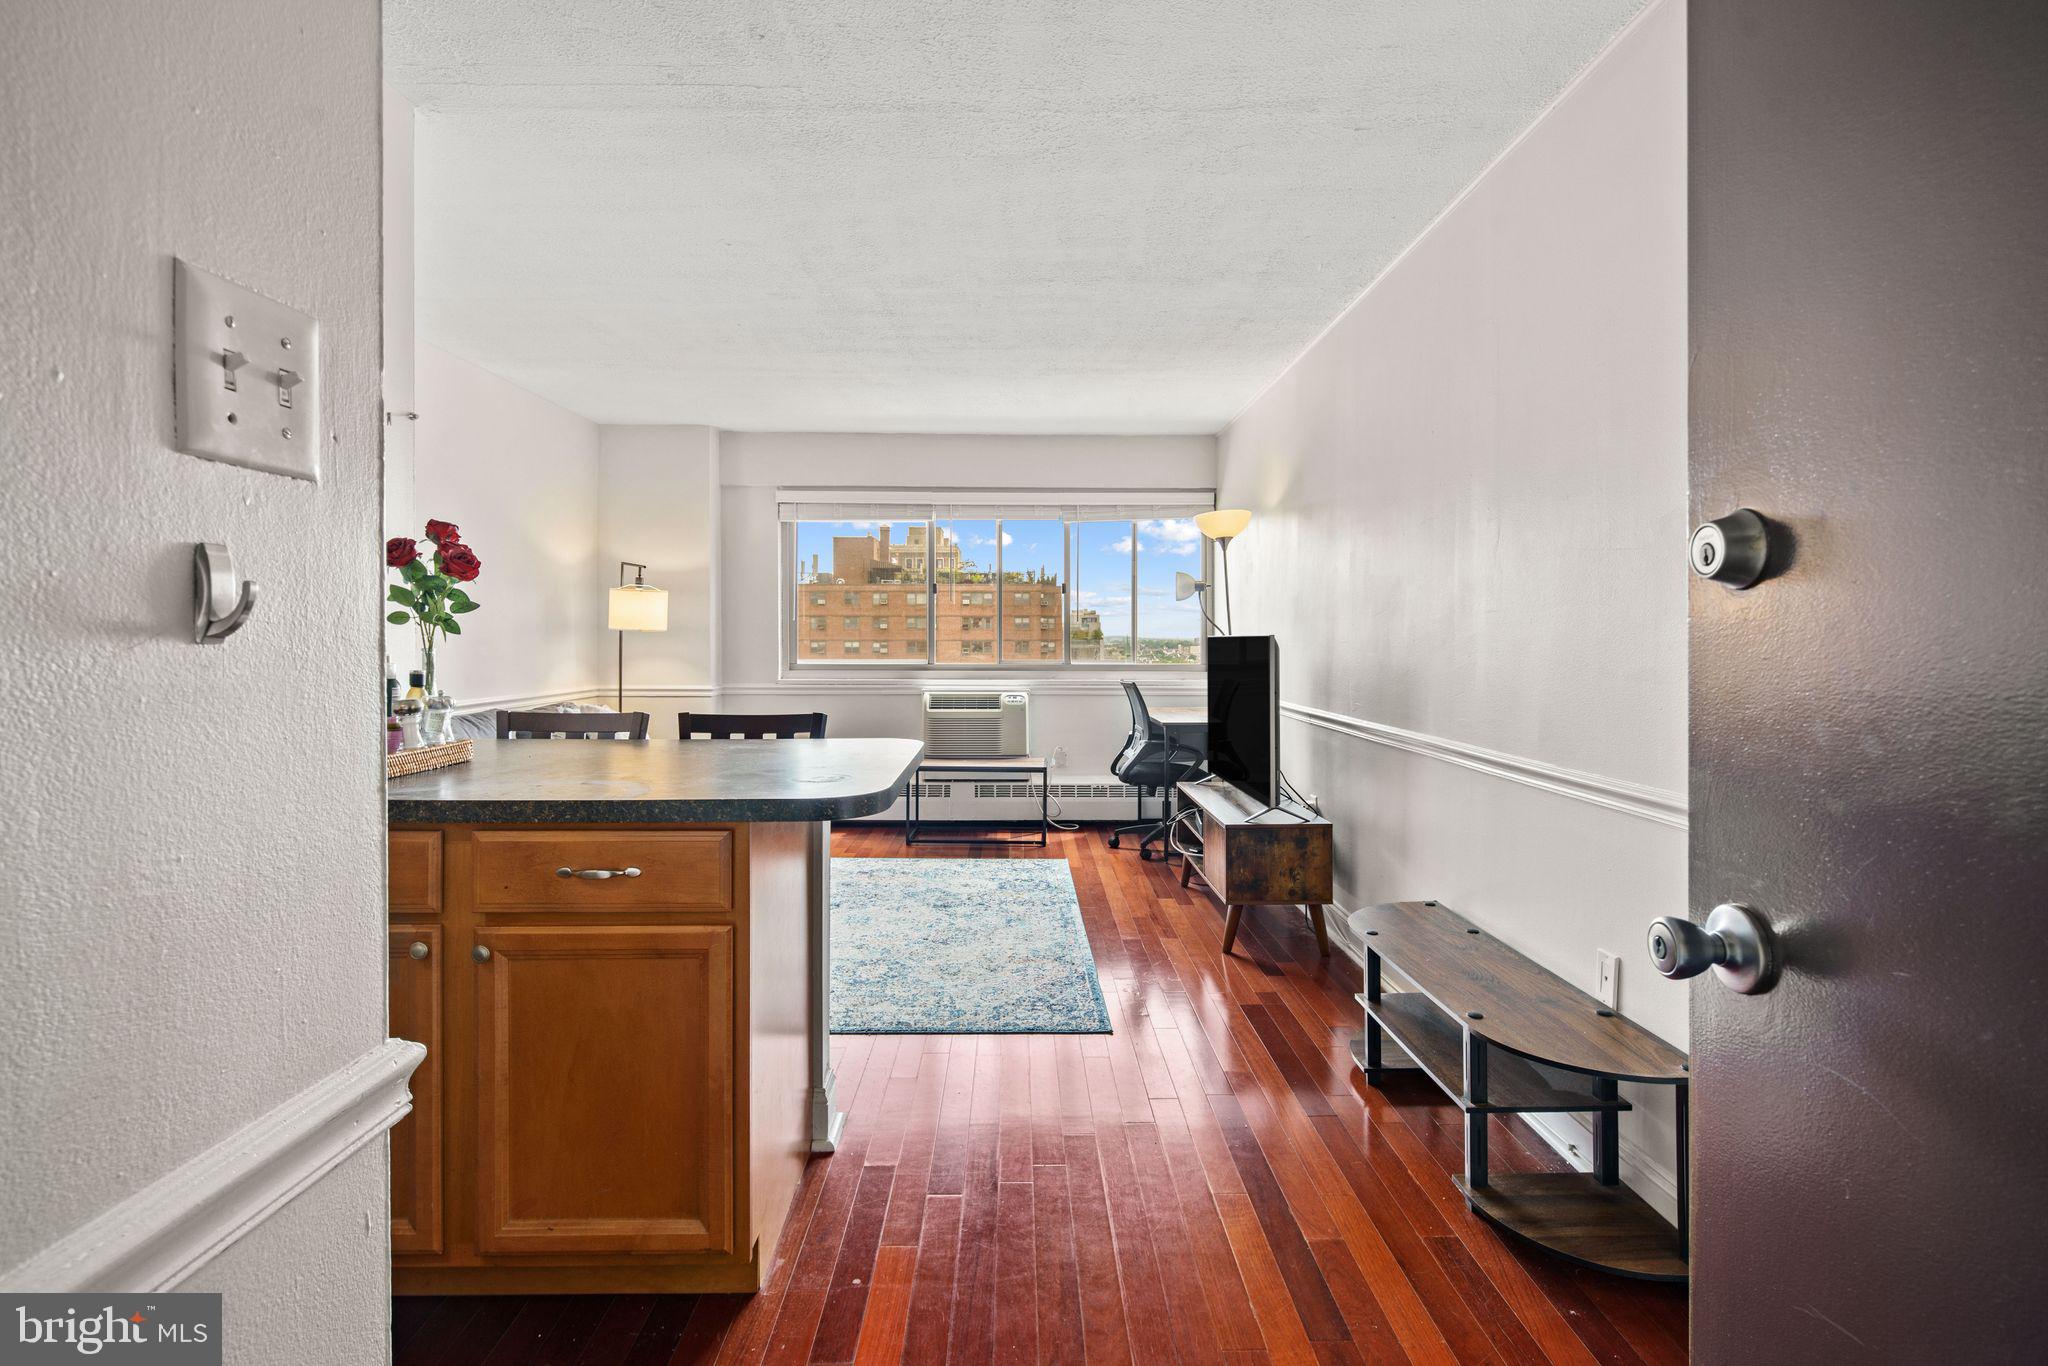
1150 761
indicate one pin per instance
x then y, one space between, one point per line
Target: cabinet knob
418 949
481 954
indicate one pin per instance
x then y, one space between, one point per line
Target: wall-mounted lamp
1221 526
635 606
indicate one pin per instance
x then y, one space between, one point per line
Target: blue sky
1102 563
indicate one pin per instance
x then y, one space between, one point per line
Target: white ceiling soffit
941 215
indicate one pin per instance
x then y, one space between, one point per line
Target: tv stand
1247 861
1499 1034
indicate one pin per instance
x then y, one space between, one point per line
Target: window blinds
902 505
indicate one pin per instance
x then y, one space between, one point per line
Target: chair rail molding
169 1229
1635 799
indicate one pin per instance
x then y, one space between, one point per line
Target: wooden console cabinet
1259 856
616 1086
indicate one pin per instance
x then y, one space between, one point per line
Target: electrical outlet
1609 990
1059 756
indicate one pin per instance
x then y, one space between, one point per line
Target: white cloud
1008 539
1122 547
1178 537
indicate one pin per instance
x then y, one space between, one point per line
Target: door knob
481 954
1731 549
1735 942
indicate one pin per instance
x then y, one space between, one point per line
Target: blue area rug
960 946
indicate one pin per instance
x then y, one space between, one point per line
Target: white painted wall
191 838
1485 459
519 476
399 396
657 504
1085 716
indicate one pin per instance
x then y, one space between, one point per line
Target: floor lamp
635 606
1220 526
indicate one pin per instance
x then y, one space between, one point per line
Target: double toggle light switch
246 376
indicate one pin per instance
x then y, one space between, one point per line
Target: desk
1187 728
1022 768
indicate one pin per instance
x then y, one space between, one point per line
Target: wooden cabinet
1258 855
416 1140
616 1091
604 1089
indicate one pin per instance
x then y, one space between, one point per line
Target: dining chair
572 725
718 725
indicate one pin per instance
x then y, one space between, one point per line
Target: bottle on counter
407 711
434 724
390 684
417 686
394 735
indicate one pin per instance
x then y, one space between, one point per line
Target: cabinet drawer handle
597 874
481 954
418 949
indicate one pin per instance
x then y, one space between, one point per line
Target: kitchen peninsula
615 953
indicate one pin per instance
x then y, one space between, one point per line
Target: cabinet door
416 1139
605 1089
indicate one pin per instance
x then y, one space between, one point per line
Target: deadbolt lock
1732 549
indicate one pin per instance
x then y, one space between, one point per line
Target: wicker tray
428 757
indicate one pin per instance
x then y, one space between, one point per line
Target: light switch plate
246 376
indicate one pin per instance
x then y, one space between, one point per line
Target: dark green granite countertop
573 781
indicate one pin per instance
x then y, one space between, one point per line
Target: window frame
1062 661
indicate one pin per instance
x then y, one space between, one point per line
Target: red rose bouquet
432 596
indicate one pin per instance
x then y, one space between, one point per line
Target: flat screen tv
1244 714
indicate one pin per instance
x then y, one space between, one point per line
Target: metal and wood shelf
1499 1034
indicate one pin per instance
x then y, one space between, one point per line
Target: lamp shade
1186 585
639 607
1223 523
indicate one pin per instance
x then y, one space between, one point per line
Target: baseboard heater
968 799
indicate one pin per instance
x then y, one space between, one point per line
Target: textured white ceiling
941 215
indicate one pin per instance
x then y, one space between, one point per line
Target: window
1169 631
1100 629
1078 589
856 563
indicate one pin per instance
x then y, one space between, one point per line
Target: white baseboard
1640 1171
163 1233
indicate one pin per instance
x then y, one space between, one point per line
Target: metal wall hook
221 599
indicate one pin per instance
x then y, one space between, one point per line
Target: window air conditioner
977 725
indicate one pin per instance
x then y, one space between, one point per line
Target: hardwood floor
1207 1184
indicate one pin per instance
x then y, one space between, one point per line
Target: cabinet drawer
686 869
415 887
